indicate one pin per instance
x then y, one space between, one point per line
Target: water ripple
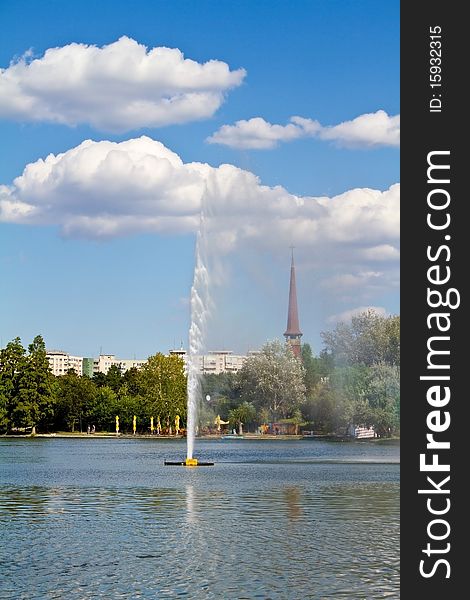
239 531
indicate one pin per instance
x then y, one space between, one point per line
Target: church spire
293 333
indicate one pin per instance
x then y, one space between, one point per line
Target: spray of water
199 314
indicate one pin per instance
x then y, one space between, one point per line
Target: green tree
132 380
126 406
99 379
35 405
223 385
326 364
163 385
12 362
244 414
274 380
383 398
206 415
297 420
76 400
224 393
351 386
105 407
113 378
316 369
311 376
329 409
366 395
370 338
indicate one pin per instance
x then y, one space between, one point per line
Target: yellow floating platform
189 462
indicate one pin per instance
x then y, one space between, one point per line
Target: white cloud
373 129
347 315
347 281
256 133
118 87
382 252
141 185
107 189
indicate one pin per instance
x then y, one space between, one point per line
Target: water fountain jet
200 301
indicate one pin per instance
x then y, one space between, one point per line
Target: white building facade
60 362
216 361
104 362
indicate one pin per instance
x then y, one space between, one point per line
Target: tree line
32 398
354 380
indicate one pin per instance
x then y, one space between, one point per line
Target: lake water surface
104 518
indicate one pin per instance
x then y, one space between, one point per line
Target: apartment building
216 361
104 362
60 362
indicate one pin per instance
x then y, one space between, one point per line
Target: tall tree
12 362
273 380
311 376
35 405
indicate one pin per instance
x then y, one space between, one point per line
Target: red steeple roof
293 327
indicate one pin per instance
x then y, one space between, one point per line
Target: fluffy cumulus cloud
372 129
257 133
118 87
106 189
368 130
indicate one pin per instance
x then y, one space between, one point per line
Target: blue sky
126 292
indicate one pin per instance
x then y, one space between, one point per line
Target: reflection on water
292 497
190 514
127 527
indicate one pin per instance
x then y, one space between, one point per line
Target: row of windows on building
216 362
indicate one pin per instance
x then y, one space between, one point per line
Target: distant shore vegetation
354 380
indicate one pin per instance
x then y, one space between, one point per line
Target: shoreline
245 436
